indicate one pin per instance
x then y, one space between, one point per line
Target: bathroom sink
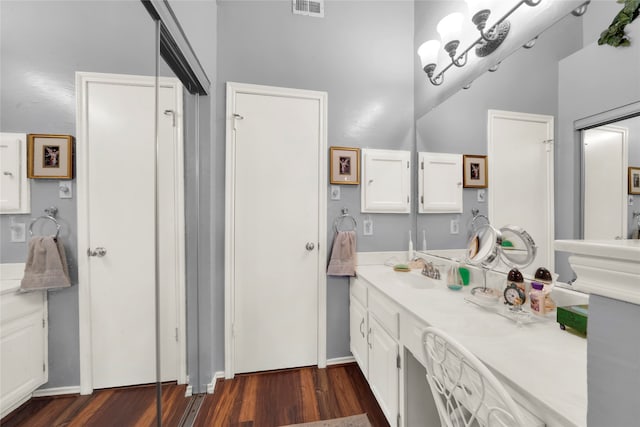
413 280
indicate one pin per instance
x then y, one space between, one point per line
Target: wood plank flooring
268 399
130 406
273 399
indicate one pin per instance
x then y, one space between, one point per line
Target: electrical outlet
630 200
64 190
454 226
18 232
367 226
482 194
335 192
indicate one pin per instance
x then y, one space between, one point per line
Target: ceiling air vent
308 7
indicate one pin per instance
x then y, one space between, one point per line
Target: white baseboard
212 385
340 360
56 391
189 391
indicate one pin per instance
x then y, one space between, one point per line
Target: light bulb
428 52
450 27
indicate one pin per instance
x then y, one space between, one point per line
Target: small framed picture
345 165
49 156
634 180
475 171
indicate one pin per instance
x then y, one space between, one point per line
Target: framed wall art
345 165
634 180
49 156
474 171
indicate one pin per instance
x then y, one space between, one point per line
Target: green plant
615 35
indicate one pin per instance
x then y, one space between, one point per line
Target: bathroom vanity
543 367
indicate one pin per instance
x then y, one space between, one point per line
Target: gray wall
43 45
527 81
361 54
612 355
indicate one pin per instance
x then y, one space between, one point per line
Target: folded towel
343 254
46 266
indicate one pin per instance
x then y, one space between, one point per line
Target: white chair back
466 393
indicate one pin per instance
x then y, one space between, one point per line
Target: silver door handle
99 252
361 326
310 246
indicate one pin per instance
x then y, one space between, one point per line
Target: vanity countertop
545 366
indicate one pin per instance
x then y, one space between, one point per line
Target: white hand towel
46 266
343 254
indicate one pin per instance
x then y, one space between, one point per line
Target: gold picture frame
345 165
475 170
49 156
634 180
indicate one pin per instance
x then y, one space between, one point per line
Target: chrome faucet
431 271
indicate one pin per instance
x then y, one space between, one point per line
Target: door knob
310 246
99 252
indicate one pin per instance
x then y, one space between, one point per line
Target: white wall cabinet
14 186
23 340
374 332
386 181
440 183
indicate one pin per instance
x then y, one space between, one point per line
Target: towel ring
339 220
48 218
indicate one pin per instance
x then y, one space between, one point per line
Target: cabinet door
383 370
23 351
14 187
386 181
440 182
358 330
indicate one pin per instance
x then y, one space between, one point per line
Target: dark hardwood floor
272 399
130 406
267 399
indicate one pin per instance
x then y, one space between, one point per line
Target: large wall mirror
88 69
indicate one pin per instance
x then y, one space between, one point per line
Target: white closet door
521 178
276 172
605 183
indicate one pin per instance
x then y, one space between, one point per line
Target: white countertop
539 361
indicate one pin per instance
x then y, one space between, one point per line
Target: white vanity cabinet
23 339
386 181
359 324
376 351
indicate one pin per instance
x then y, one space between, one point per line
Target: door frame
624 132
229 283
549 214
83 79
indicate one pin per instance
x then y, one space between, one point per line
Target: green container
574 317
464 275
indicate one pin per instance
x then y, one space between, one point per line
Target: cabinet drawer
15 305
386 313
411 332
359 291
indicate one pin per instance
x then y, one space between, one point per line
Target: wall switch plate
335 192
630 199
454 226
367 226
64 190
482 194
18 232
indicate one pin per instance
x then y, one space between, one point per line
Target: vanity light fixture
450 28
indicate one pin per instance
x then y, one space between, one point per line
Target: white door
275 271
358 332
520 149
605 176
117 213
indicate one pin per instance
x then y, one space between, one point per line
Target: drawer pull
361 326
